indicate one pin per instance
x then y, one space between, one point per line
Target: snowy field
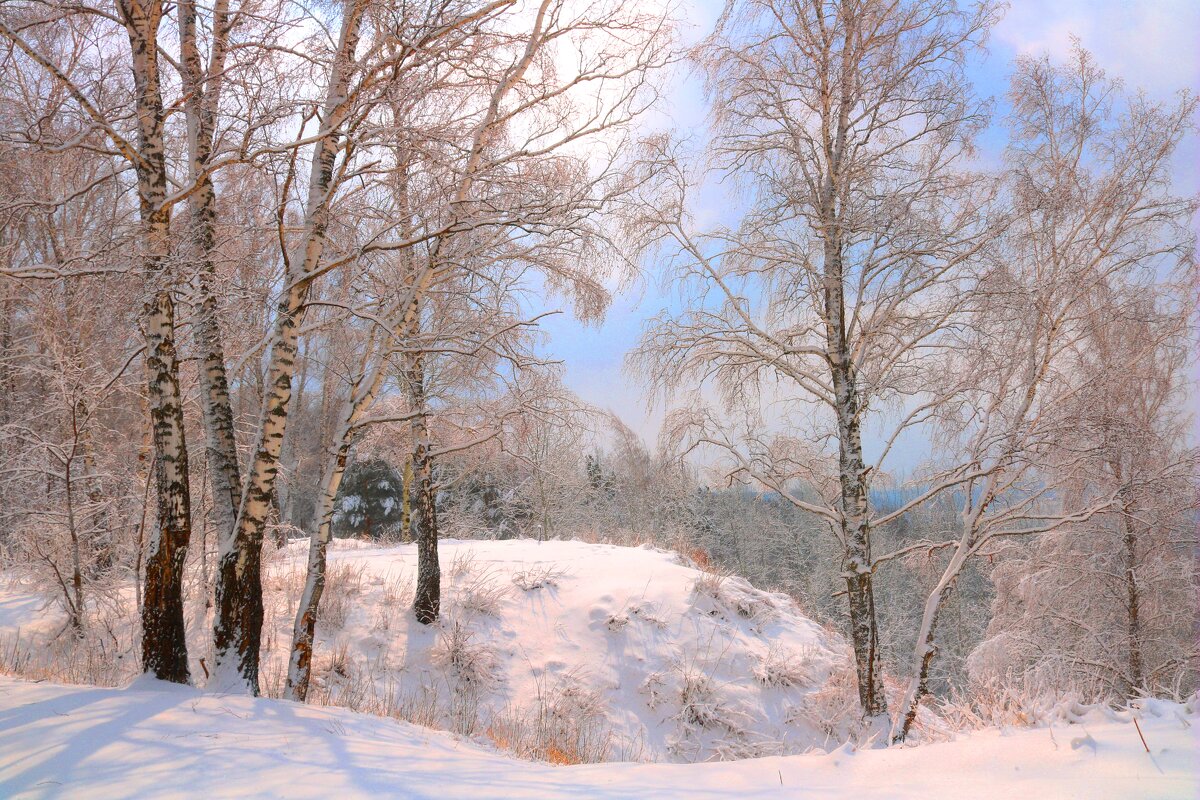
156 740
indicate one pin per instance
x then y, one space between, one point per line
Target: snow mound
598 651
58 741
558 651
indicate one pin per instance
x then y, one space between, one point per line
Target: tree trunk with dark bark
427 601
854 501
164 648
1137 676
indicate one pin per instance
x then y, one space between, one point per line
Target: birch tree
239 613
351 92
848 124
1092 223
143 150
1103 609
396 48
202 82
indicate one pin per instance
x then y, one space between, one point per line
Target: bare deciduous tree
848 123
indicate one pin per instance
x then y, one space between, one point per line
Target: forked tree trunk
237 628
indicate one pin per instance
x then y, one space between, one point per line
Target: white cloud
1151 44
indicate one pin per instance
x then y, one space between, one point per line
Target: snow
627 644
678 664
634 625
155 740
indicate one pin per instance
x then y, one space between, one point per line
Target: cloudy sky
1150 44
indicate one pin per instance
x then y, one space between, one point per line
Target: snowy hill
156 741
560 651
639 655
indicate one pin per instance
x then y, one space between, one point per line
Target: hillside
559 650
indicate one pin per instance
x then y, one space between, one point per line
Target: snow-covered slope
559 650
673 663
156 741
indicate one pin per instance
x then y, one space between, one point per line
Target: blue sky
1151 45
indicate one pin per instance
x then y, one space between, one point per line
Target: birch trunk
855 503
8 383
237 629
99 527
202 91
406 501
926 647
75 597
427 601
305 627
164 648
1137 677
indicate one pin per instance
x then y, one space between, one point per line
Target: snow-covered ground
561 651
626 652
680 664
153 740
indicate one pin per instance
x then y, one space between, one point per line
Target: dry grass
540 576
343 583
566 725
785 668
709 584
96 659
832 709
471 662
698 702
474 589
